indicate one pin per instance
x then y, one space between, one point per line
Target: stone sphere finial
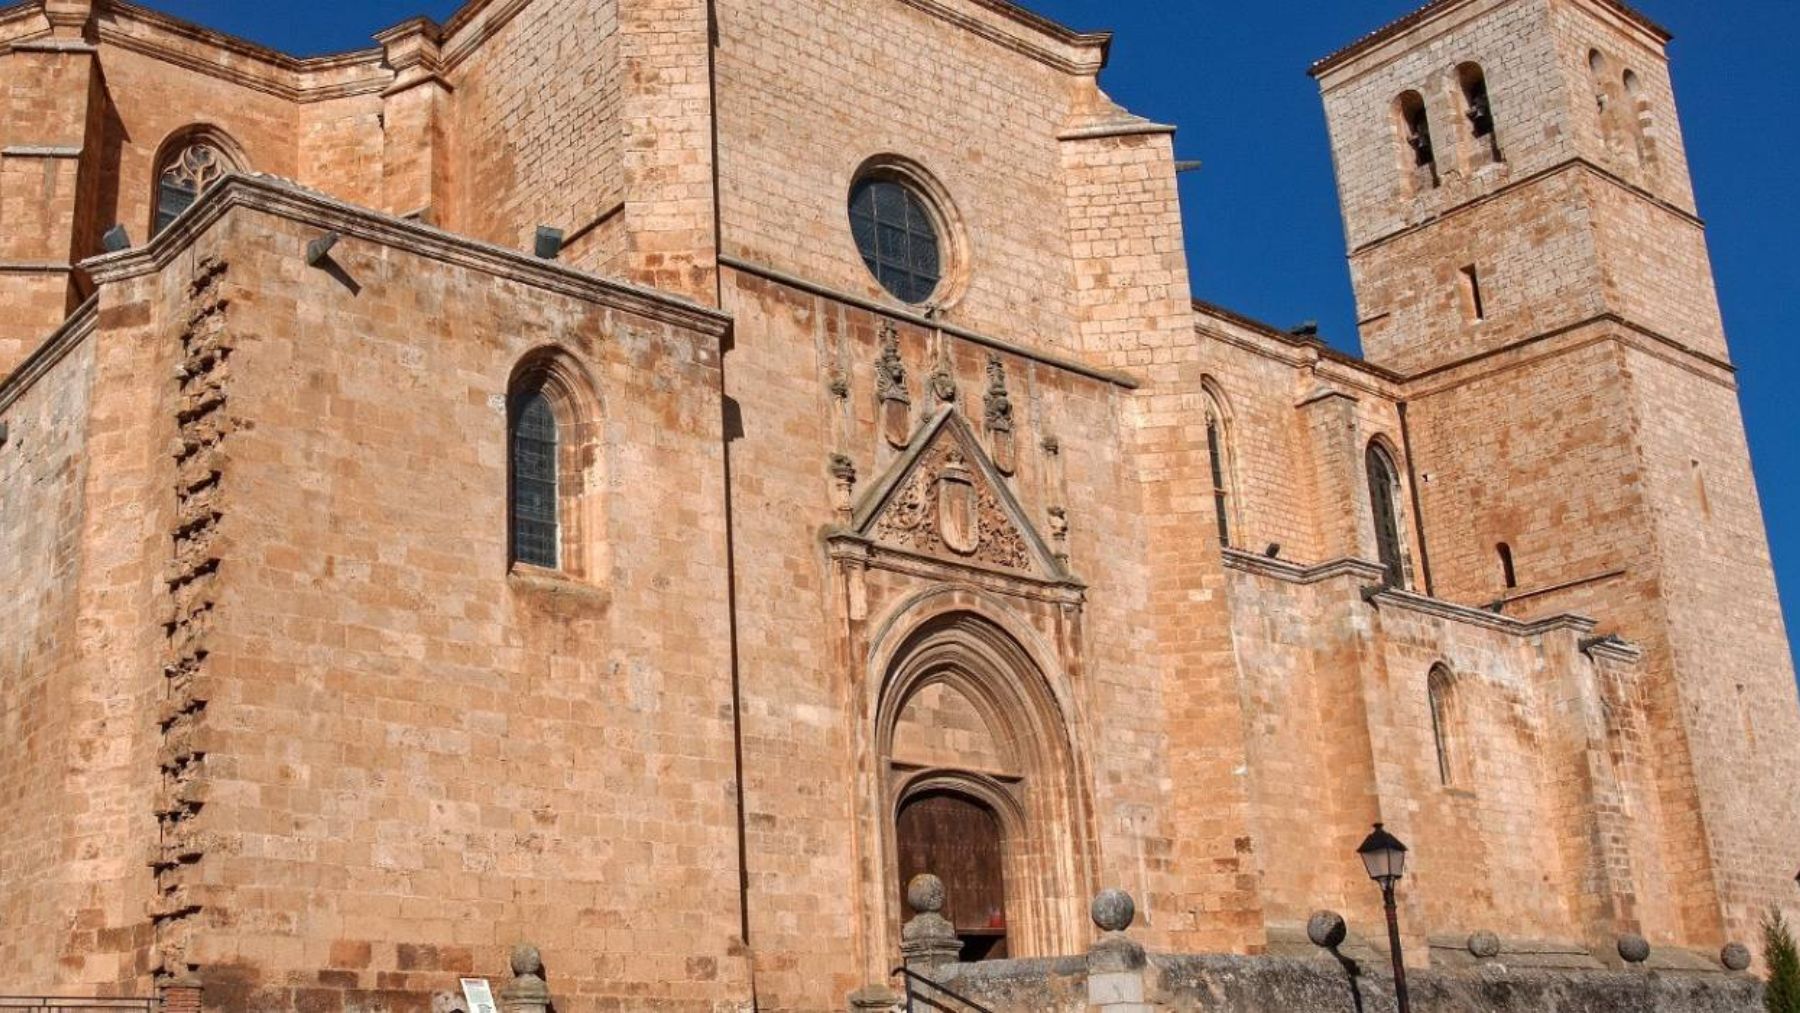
1735 957
1484 945
1634 949
527 961
1327 930
1113 910
925 894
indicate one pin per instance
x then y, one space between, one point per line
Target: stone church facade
647 477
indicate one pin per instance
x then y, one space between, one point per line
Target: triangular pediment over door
944 499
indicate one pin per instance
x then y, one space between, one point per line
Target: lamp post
1385 858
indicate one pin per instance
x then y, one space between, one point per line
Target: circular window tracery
899 236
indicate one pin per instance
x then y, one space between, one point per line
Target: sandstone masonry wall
43 477
809 91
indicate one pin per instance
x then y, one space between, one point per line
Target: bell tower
1526 249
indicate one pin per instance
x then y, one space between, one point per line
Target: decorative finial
890 372
1113 910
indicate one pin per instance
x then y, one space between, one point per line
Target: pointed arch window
1445 721
1219 460
190 162
1384 500
551 504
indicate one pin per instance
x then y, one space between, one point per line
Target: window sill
542 580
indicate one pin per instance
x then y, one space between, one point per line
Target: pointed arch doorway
982 789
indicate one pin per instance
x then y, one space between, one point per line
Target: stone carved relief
891 390
957 522
1059 533
997 418
943 379
941 510
843 484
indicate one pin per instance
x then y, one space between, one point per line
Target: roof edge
1431 10
1294 340
71 332
237 44
1055 29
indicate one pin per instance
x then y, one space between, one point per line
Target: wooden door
957 839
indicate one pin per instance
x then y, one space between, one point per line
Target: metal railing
923 993
62 1004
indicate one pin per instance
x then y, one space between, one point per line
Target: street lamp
1385 858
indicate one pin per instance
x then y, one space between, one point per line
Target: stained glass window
535 532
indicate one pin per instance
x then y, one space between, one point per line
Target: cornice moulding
281 198
72 333
172 40
822 291
1120 128
1651 34
1072 52
1364 570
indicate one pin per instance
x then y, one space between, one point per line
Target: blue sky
1264 234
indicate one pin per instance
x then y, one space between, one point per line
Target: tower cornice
1442 8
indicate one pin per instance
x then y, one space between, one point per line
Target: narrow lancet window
1474 305
1441 689
1508 572
1219 454
536 531
1384 499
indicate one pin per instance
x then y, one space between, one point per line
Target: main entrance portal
980 786
958 839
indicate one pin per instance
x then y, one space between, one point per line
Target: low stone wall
1278 985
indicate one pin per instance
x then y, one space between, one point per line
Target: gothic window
550 417
190 163
1445 718
1478 108
898 236
1419 156
535 534
1218 450
1384 499
1508 573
